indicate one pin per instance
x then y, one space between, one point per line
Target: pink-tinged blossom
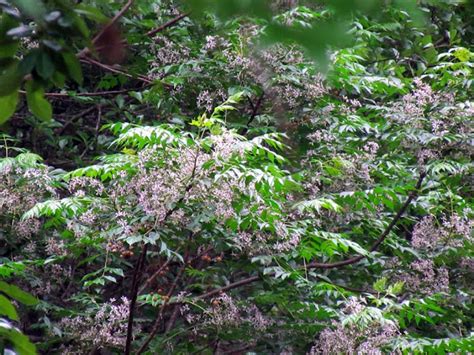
425 234
107 328
321 136
453 232
205 100
80 186
214 42
426 278
26 228
354 338
371 148
225 313
467 264
425 155
354 305
168 52
55 246
268 242
439 127
20 190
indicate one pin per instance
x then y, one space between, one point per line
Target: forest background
233 177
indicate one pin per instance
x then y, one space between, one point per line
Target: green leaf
31 8
37 104
21 343
10 79
8 106
380 284
7 309
8 49
91 12
73 67
18 294
462 54
44 66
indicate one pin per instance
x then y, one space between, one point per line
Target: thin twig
255 109
114 70
167 24
152 277
134 293
84 52
236 284
75 117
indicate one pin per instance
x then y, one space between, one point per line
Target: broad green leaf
44 66
8 106
73 67
10 79
37 104
7 309
18 294
20 342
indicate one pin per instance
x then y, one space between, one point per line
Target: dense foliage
231 177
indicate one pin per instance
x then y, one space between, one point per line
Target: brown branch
134 293
172 319
254 111
118 15
152 277
385 233
236 284
156 326
167 24
88 94
84 52
133 297
349 261
75 117
114 70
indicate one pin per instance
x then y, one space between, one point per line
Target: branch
152 277
349 261
135 282
133 297
75 117
385 233
167 24
88 94
254 111
156 326
84 52
113 20
114 70
236 284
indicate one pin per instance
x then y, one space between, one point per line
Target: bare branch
385 233
115 70
133 297
118 15
167 24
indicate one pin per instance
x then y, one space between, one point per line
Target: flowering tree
231 182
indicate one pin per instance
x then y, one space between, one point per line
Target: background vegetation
232 177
